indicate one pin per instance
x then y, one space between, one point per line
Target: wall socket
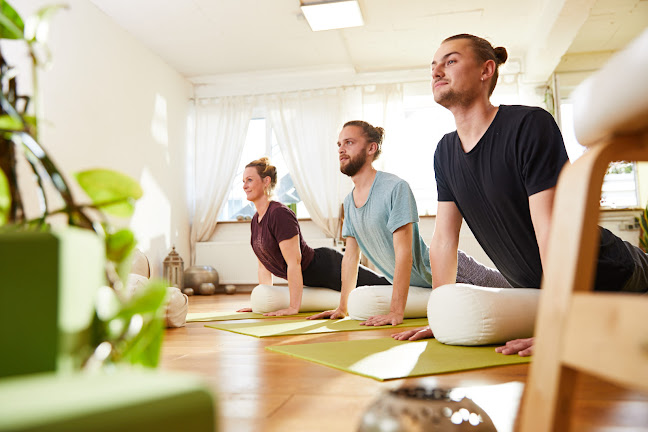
631 225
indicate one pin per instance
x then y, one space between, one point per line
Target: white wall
108 102
231 254
229 251
240 232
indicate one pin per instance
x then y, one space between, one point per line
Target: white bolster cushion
462 314
177 303
269 298
176 308
371 300
135 282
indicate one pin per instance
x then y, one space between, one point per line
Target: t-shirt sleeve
347 226
403 207
440 161
283 224
542 151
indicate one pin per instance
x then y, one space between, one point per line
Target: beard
452 97
353 165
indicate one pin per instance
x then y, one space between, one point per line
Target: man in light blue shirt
381 220
390 206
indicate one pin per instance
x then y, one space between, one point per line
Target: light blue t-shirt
390 205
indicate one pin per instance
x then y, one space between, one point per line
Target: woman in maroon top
280 247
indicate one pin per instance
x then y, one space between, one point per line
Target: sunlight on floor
409 355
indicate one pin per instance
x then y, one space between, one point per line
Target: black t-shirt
520 154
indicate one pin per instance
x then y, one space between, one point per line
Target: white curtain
307 125
382 105
221 127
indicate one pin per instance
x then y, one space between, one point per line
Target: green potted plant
122 328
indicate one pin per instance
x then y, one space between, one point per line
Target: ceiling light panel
333 15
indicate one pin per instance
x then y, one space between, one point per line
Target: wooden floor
258 390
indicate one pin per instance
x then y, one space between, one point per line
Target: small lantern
174 269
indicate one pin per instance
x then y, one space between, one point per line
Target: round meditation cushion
462 314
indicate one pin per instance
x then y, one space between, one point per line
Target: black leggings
325 270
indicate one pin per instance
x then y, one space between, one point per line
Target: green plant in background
125 328
620 167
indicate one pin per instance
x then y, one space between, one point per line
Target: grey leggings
472 272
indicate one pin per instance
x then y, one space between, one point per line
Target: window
260 141
410 153
620 182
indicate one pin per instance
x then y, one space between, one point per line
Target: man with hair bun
279 246
498 171
381 220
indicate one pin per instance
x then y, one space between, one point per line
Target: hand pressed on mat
391 318
283 312
414 334
521 347
331 314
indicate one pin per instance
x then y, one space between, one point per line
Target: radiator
235 261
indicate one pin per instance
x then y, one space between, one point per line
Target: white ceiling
207 38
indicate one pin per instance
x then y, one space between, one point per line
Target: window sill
603 210
620 209
248 221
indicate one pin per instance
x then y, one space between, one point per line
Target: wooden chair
577 330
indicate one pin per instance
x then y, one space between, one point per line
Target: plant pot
47 298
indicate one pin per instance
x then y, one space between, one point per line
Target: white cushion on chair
615 98
371 300
269 298
462 314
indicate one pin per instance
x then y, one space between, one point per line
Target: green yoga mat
229 316
386 358
302 327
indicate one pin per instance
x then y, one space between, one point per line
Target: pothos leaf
146 300
110 191
144 348
119 245
11 24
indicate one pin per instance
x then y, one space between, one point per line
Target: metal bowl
206 288
196 276
424 409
